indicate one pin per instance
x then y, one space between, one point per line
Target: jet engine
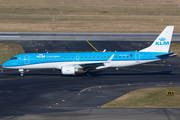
68 70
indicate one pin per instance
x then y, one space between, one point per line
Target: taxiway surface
82 36
75 42
46 94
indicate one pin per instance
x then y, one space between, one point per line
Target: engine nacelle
68 70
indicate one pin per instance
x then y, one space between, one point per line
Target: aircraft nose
4 65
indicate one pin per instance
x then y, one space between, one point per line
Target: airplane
74 62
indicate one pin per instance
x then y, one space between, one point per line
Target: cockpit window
13 58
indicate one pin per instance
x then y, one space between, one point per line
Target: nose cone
5 65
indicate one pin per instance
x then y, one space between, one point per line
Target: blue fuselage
80 57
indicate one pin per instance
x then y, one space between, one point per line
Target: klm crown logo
162 41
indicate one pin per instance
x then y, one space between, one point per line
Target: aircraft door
137 57
26 59
77 58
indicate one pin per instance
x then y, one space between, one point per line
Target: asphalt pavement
46 94
42 93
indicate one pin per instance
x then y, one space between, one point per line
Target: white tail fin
162 42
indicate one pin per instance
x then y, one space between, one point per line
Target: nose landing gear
22 72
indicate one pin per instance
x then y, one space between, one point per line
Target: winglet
109 60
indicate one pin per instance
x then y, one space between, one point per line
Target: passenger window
72 57
86 57
45 57
119 56
108 57
41 58
97 57
101 57
90 57
64 57
123 56
93 57
37 58
53 57
127 56
49 58
81 57
115 56
57 57
68 57
105 57
61 58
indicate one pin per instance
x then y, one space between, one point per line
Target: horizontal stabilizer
168 55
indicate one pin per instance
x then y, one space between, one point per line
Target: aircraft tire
88 74
22 74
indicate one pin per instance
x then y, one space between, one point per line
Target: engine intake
68 70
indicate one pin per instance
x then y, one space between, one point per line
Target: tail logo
162 41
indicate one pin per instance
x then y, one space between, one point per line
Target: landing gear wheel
88 74
22 74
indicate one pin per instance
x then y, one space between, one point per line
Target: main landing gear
88 74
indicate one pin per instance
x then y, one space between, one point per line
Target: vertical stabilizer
162 42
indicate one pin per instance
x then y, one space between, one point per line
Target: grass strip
175 47
114 16
8 50
149 97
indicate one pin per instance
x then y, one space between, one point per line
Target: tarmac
46 94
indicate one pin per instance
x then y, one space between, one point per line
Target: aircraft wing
90 65
96 65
